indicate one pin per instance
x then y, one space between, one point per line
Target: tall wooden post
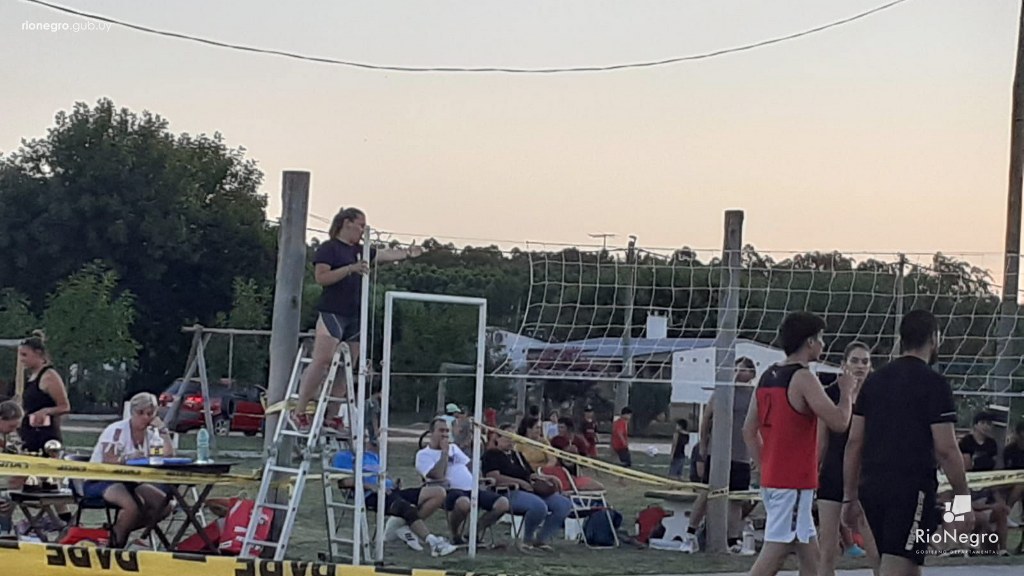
284 337
725 359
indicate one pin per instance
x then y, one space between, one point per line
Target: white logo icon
961 505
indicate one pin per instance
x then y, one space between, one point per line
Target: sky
887 134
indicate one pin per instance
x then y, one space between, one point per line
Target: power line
455 69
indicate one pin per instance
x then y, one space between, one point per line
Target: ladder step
338 400
262 543
306 360
295 434
342 505
272 506
284 469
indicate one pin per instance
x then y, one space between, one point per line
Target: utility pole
628 369
604 236
284 337
1008 356
725 360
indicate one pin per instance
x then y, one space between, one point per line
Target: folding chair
84 503
584 504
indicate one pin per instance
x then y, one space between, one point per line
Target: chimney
657 326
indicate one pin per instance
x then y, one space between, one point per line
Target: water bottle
156 448
202 446
749 544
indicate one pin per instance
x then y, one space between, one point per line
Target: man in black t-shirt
980 452
902 427
979 448
338 267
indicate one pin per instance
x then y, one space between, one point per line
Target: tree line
116 232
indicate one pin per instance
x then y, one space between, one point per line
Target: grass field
309 538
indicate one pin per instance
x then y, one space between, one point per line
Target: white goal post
481 355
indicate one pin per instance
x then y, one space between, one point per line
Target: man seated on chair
545 511
406 509
444 463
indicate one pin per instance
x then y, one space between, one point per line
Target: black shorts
830 484
896 513
739 475
344 328
625 457
410 495
487 499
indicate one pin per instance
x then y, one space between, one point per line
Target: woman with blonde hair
122 441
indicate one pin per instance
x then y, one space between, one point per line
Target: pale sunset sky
889 133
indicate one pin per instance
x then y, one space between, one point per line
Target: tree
88 328
248 360
16 321
177 217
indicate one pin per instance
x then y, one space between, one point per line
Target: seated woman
10 418
122 441
532 428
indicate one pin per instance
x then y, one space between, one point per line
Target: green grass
308 540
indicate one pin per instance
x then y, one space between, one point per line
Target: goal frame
481 354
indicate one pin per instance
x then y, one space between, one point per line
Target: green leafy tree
178 217
88 327
16 321
247 361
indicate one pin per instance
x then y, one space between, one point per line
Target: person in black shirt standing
338 266
902 423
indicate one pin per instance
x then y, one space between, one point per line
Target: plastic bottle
203 446
156 448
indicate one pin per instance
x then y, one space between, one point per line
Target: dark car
234 408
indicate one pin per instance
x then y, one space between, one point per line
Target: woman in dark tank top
45 398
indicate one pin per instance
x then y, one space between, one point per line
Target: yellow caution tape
52 559
974 479
18 465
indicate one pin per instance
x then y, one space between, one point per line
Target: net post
725 357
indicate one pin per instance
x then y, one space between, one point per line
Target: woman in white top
122 441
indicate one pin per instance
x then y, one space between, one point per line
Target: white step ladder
341 546
310 443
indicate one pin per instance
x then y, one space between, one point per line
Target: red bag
237 523
78 536
648 521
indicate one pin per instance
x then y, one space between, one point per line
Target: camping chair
585 503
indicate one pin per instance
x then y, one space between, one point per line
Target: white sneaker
689 545
391 528
439 546
405 535
739 550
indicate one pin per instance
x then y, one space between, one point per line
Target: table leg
35 520
191 513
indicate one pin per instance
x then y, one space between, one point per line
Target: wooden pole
628 367
1009 355
284 338
1011 272
725 358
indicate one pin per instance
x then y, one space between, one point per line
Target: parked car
234 408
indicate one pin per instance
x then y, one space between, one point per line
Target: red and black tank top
789 458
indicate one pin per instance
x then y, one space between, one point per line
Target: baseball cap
452 408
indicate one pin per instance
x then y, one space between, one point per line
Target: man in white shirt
443 462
